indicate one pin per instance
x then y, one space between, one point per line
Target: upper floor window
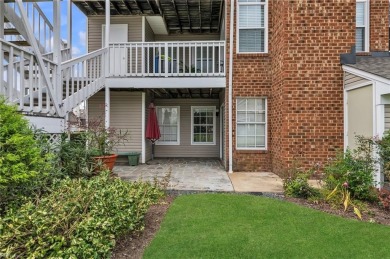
252 26
362 27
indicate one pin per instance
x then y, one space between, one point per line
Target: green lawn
243 226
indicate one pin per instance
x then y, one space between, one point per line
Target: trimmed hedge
79 219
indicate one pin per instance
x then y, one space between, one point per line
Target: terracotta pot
105 162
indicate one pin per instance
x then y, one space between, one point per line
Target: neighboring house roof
379 66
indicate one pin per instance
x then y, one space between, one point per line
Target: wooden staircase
33 79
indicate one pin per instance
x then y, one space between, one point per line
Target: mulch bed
372 213
133 245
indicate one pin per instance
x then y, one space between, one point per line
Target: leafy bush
79 219
73 156
297 186
384 153
23 164
356 168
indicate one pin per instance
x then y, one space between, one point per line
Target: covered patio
186 174
201 175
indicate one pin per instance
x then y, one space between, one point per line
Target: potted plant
101 143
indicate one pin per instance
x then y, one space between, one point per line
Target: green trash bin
133 158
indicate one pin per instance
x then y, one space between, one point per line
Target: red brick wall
317 32
379 37
277 105
302 78
251 78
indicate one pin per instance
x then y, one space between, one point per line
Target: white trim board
365 74
47 124
158 82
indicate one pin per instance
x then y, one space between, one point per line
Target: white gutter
231 87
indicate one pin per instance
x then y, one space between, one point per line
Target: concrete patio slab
256 182
186 174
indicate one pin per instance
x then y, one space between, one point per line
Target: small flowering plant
346 200
102 141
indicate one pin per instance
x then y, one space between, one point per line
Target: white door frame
118 56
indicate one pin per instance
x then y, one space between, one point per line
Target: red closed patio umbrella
152 128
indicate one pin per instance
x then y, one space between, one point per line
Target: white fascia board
174 83
365 74
47 124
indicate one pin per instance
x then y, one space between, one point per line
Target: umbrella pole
152 150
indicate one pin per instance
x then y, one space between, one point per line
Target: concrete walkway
256 182
201 174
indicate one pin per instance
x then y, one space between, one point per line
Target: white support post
107 108
57 48
230 95
69 28
56 31
2 10
107 32
143 111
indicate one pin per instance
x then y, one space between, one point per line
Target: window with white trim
169 122
203 125
362 27
251 123
252 25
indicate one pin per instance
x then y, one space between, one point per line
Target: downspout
231 87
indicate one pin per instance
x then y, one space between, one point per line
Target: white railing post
10 76
142 59
166 59
69 27
57 82
2 10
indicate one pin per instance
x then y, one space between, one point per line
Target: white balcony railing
167 59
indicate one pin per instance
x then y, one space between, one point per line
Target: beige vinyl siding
360 114
185 149
148 144
149 34
187 37
125 115
387 117
351 80
95 24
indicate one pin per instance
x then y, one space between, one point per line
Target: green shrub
297 186
73 156
384 153
23 164
79 219
355 168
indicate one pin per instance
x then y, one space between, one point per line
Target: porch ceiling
212 93
194 16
